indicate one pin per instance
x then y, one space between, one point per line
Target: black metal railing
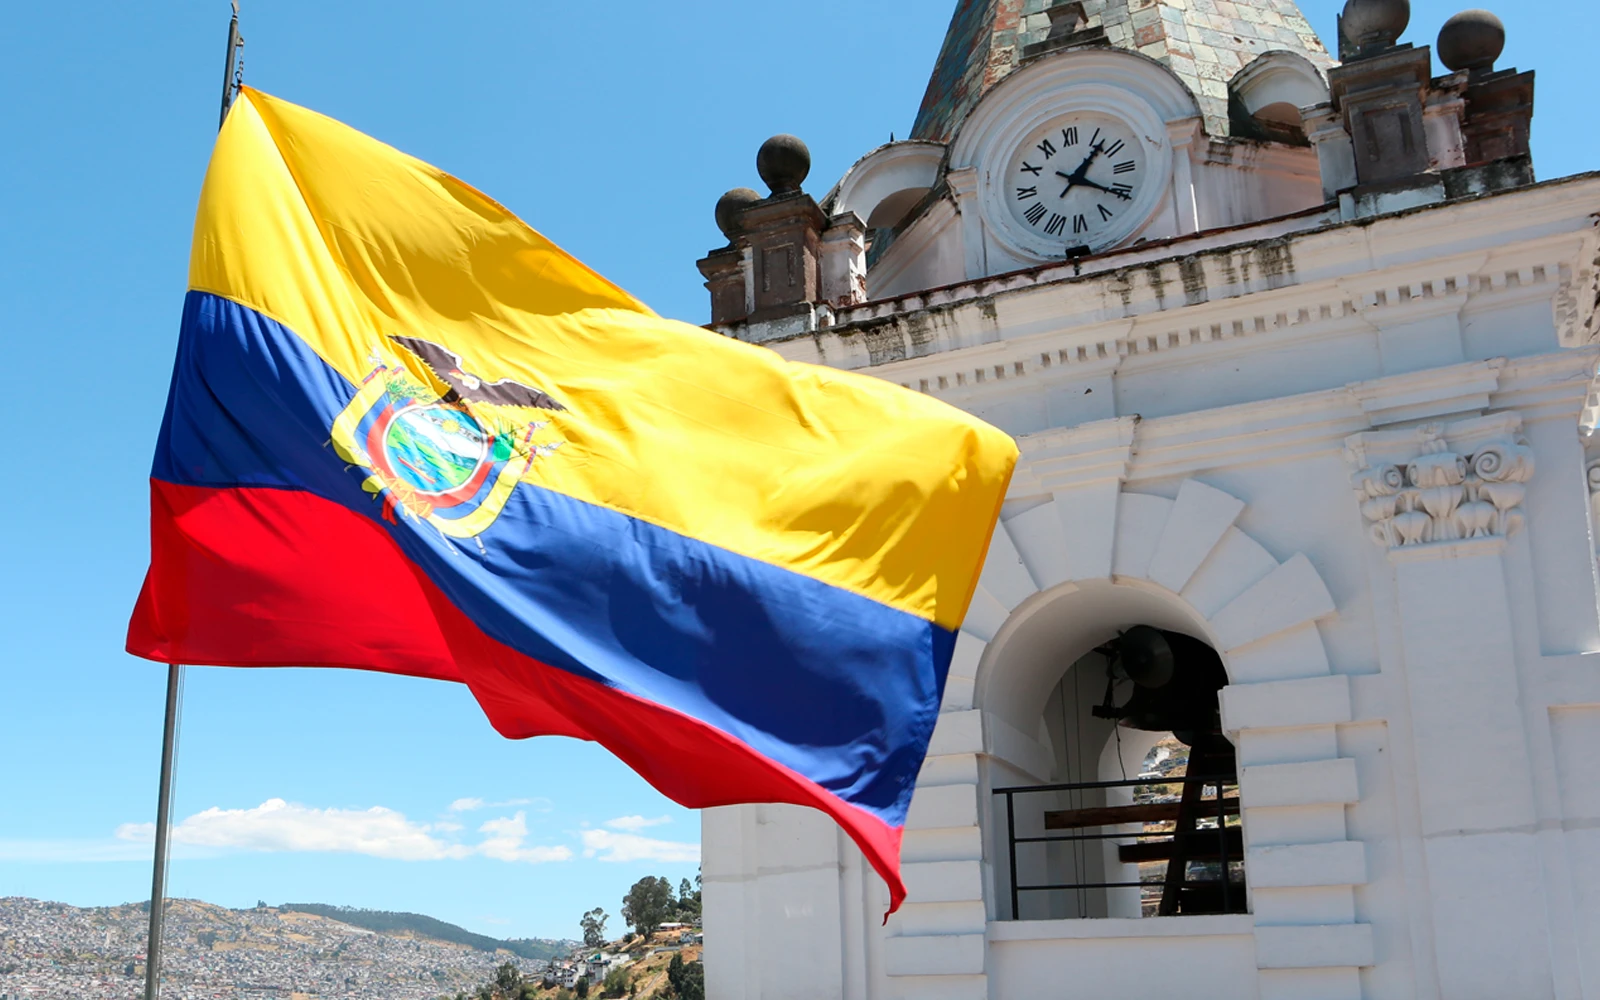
1196 827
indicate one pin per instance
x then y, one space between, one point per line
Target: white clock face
1076 180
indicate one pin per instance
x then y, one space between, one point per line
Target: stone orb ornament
783 162
1374 25
1472 40
728 208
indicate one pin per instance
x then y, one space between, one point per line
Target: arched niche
1041 677
1053 630
1267 94
1061 578
888 182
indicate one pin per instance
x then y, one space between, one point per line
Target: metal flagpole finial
233 68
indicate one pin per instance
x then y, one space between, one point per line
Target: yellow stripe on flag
842 477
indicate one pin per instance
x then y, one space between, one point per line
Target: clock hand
1111 191
1078 175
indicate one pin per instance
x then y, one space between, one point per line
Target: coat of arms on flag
451 458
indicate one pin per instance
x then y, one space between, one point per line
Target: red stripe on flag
255 577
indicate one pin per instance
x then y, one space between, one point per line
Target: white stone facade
1416 709
1350 453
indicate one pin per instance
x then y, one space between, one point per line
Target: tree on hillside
688 902
508 981
648 904
686 980
594 927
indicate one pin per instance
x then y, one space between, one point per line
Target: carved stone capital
1577 299
1442 483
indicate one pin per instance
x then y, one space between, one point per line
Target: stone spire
1205 42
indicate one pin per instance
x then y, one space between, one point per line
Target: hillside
52 951
391 922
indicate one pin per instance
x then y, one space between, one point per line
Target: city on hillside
53 951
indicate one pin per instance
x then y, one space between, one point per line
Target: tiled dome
1205 42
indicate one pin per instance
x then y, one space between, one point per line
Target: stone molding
1173 276
955 351
1455 486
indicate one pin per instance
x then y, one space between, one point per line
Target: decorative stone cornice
1442 483
1433 392
1098 451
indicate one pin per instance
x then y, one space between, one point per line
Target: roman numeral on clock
1122 189
1080 224
1029 168
1114 148
1056 224
1125 167
1023 194
1105 213
1069 135
1034 214
1046 148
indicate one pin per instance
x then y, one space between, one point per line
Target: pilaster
1183 135
842 261
1441 502
963 184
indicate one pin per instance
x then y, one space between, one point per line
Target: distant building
1301 364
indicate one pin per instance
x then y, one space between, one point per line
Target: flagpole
169 728
158 887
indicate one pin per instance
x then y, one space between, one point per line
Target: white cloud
276 825
608 846
633 824
469 804
279 826
505 842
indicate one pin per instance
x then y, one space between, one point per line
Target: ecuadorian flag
407 433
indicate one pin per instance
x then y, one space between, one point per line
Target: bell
1175 677
1145 656
1145 710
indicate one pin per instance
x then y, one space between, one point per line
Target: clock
1080 180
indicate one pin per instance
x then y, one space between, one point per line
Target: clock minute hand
1111 191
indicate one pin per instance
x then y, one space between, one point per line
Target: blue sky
612 128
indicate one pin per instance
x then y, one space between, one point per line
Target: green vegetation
648 905
593 925
686 980
651 903
416 923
